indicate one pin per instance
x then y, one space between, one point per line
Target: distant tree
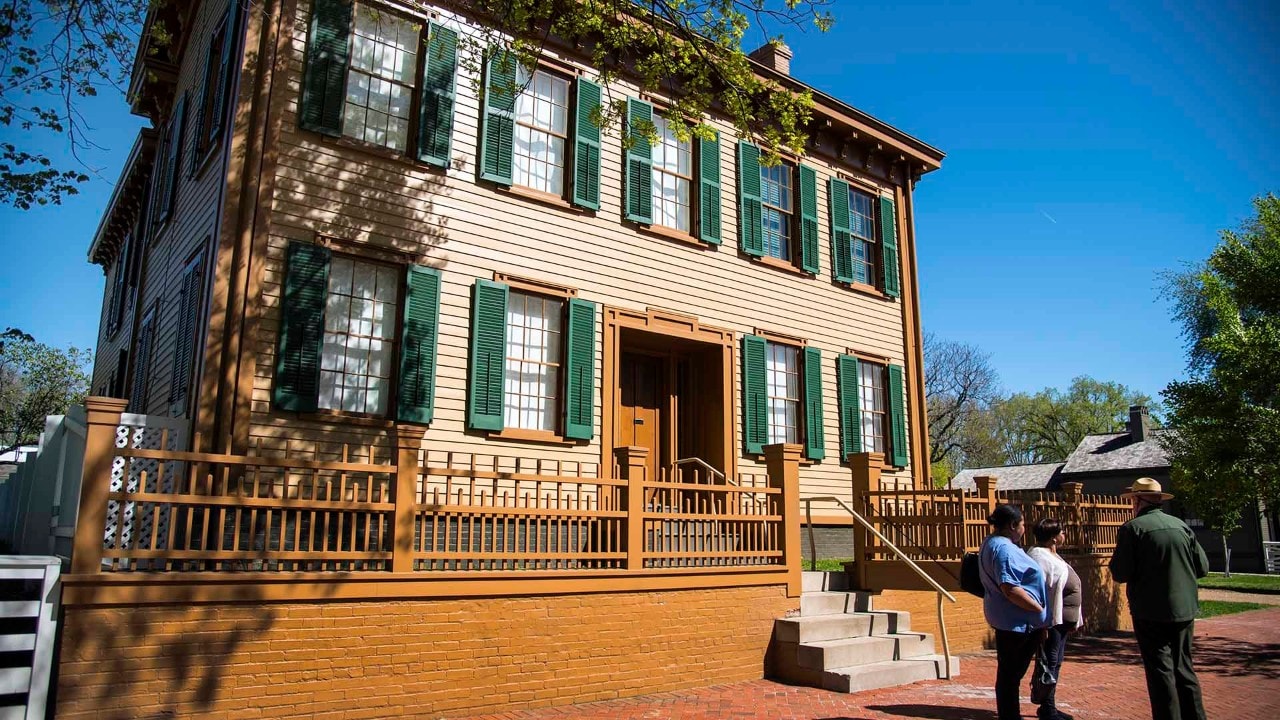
37 380
960 384
56 53
1227 414
1047 426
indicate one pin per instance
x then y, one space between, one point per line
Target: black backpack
971 574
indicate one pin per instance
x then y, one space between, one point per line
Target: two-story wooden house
339 244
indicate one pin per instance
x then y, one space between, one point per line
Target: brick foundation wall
831 542
1105 608
428 658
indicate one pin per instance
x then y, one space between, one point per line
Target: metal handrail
942 592
704 464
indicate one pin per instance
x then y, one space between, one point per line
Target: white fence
29 594
1271 552
38 502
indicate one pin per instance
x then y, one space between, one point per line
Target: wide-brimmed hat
1145 487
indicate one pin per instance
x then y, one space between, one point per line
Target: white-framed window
535 339
777 209
380 82
672 178
782 375
862 234
873 395
541 132
360 322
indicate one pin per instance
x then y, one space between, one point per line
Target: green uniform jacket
1159 558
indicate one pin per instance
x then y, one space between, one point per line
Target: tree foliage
1227 414
54 54
37 380
1047 426
960 386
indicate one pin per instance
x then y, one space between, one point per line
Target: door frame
676 326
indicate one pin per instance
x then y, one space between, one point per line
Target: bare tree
960 384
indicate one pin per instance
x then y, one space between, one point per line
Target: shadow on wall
1105 606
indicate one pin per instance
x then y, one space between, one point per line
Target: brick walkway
1237 659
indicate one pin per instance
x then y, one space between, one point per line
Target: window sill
804 461
538 436
208 154
332 416
544 198
673 234
782 265
379 151
865 289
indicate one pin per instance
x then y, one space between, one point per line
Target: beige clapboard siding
470 231
189 227
107 351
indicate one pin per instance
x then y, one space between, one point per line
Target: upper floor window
358 354
380 78
672 178
380 83
531 391
541 130
782 372
777 209
862 232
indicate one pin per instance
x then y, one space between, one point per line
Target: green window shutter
850 411
488 355
586 148
230 41
814 439
750 232
324 83
808 219
841 245
172 158
435 113
897 417
419 332
709 190
889 245
197 146
580 377
639 163
306 286
498 124
185 344
755 394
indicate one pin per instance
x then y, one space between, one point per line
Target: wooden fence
145 506
944 524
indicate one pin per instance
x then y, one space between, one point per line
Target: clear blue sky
1088 149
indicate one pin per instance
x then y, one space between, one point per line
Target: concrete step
826 603
846 652
888 673
822 627
823 581
912 645
884 622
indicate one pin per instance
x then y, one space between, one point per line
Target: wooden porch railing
145 506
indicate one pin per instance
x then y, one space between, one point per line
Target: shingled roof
1117 451
1011 477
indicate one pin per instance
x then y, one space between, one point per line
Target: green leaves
1227 415
37 380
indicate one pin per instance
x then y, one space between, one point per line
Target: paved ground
1237 657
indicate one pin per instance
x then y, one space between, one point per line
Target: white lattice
130 526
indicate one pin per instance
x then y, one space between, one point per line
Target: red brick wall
425 658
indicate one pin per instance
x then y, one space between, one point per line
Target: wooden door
639 412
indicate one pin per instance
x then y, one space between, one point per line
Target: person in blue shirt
1014 604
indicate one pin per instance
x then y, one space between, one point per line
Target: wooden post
408 444
1073 496
633 461
865 473
783 463
102 417
987 491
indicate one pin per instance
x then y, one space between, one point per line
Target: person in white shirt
1063 596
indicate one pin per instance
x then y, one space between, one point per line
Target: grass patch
1214 608
1269 584
831 565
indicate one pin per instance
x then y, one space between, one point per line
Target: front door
639 412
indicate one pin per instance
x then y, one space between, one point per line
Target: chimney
774 55
1139 423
